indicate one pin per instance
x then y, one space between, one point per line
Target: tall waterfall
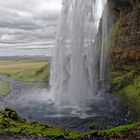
79 63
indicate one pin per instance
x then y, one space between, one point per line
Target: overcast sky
28 23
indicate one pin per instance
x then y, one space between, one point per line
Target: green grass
127 86
26 70
33 75
114 130
132 94
120 128
125 83
10 121
4 88
122 80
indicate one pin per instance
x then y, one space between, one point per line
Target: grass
132 93
10 121
127 85
107 133
125 82
33 75
26 70
4 88
120 128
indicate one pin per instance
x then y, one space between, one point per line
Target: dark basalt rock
119 5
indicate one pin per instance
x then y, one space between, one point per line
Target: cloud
7 37
28 22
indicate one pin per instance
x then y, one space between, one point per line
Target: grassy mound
10 121
4 88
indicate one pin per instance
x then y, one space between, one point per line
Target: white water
79 64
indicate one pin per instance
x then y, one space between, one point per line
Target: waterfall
79 63
104 53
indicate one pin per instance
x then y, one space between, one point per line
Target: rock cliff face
125 54
127 29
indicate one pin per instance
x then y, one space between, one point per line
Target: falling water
79 62
77 96
104 53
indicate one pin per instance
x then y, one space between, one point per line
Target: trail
16 88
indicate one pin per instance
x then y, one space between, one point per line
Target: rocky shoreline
10 136
133 134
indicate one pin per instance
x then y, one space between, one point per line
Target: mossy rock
11 114
119 82
94 126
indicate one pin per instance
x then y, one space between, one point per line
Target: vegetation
94 126
125 82
132 94
10 121
4 88
26 70
120 128
33 75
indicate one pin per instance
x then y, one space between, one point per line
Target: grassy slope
120 128
4 88
11 122
26 70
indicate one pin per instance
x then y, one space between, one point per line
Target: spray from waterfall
78 73
79 63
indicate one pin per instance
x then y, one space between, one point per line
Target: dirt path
16 88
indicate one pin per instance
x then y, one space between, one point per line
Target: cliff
125 51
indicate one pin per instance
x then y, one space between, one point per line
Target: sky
27 24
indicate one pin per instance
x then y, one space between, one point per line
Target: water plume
79 62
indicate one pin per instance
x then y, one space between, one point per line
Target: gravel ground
8 136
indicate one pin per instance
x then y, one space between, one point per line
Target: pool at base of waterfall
105 110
